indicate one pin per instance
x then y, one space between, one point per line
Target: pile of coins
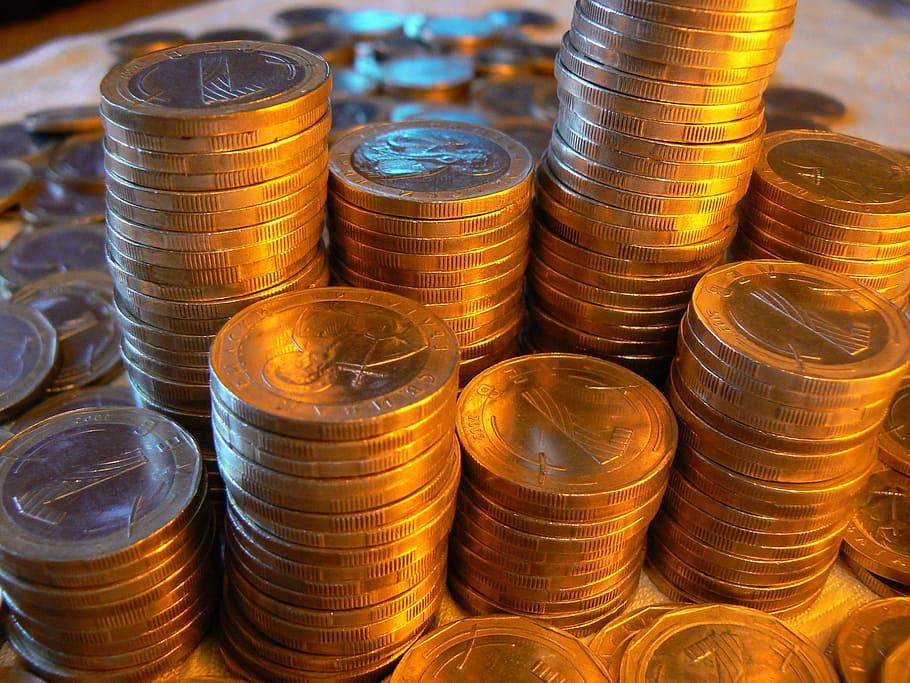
106 546
216 169
833 201
437 211
565 460
659 125
876 540
783 375
332 413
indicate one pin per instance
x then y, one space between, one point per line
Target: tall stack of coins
106 545
783 375
660 121
437 211
216 169
565 459
332 413
833 201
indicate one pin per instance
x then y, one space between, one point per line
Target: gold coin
482 644
867 637
702 640
835 178
894 449
876 538
430 169
161 93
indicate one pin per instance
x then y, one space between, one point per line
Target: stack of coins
469 649
783 375
660 120
876 540
437 211
106 545
566 458
216 168
833 201
332 413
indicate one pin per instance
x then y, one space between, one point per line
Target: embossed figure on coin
337 351
887 508
428 159
840 171
216 77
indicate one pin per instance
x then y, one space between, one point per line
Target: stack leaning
660 122
333 421
833 201
438 211
783 376
106 546
566 458
216 170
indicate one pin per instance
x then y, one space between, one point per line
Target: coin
445 78
15 177
611 641
129 45
30 349
807 102
508 643
53 203
868 636
105 395
759 642
33 254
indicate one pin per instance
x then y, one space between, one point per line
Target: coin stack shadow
659 125
334 430
107 545
437 211
833 201
566 458
215 195
783 375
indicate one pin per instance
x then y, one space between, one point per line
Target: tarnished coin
30 355
868 636
696 643
383 358
476 646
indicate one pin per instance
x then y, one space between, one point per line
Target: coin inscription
429 159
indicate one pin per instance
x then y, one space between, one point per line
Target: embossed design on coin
430 159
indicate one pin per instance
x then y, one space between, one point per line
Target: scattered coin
867 637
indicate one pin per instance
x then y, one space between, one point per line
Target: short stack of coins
659 125
783 375
216 172
833 201
565 460
106 546
437 211
333 420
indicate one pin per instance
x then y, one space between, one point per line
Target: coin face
332 355
28 346
93 481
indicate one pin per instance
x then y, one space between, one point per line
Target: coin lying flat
868 636
30 350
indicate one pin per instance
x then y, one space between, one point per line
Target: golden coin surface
877 537
509 648
333 363
835 178
611 641
801 325
868 636
243 85
561 427
894 437
430 169
719 642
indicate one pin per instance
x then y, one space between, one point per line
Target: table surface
855 50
